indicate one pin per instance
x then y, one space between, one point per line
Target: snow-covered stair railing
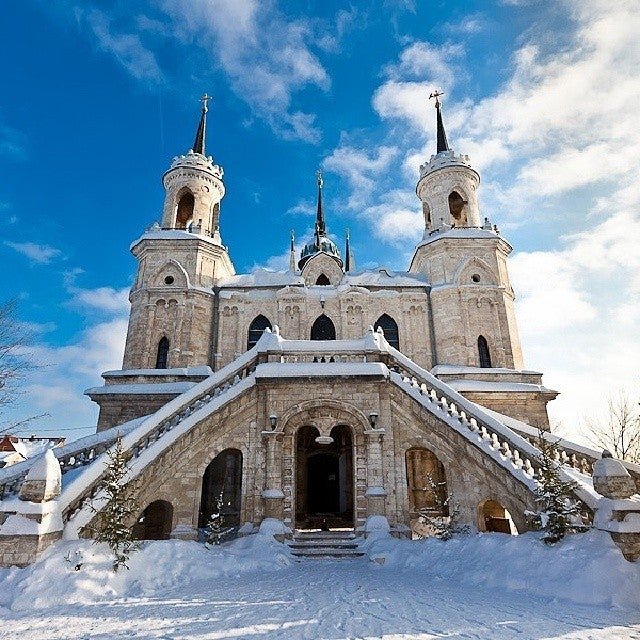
610 496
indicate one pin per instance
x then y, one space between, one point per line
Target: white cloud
303 207
127 48
102 299
266 56
38 253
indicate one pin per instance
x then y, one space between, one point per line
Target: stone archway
324 478
345 425
154 523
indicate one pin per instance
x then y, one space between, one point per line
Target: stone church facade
343 447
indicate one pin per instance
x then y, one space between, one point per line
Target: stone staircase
325 544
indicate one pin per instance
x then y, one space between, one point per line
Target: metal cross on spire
205 99
436 94
319 178
441 136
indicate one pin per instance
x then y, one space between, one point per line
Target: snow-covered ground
479 586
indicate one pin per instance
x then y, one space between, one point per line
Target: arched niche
162 354
390 328
493 517
222 479
155 522
323 329
257 327
426 482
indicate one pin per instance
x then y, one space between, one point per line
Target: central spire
442 144
201 133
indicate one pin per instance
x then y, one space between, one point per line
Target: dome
321 244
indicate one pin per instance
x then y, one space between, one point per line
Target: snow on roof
455 368
485 385
172 234
44 467
460 233
179 371
367 278
262 278
142 388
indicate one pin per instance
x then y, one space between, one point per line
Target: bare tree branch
619 430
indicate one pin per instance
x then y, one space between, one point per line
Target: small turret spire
442 144
320 224
292 253
201 133
347 254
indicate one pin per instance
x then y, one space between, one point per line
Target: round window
168 280
475 278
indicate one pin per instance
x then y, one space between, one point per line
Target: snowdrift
157 567
583 568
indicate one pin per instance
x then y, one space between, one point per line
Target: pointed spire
201 133
320 225
442 144
347 254
292 254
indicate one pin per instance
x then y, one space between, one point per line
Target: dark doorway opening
324 479
323 329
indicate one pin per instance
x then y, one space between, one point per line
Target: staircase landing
309 543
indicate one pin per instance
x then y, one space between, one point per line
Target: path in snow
335 600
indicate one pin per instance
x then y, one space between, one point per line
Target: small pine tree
559 512
114 519
215 529
434 521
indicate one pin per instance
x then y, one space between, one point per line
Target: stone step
324 544
327 553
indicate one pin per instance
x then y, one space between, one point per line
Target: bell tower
179 263
465 261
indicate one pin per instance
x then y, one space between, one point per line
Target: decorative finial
204 99
319 178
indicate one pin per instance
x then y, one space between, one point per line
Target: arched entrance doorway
494 517
324 479
154 523
223 477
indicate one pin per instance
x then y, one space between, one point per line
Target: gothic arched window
256 329
483 352
323 280
184 210
390 328
323 329
162 357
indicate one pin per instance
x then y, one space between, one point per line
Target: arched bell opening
323 329
324 479
155 522
222 481
458 209
493 517
323 280
184 210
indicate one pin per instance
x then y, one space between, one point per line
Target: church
322 397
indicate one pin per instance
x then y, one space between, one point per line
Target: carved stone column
376 493
272 494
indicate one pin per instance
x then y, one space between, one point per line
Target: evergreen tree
215 529
114 519
559 512
441 520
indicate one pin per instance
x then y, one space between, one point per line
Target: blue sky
99 96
